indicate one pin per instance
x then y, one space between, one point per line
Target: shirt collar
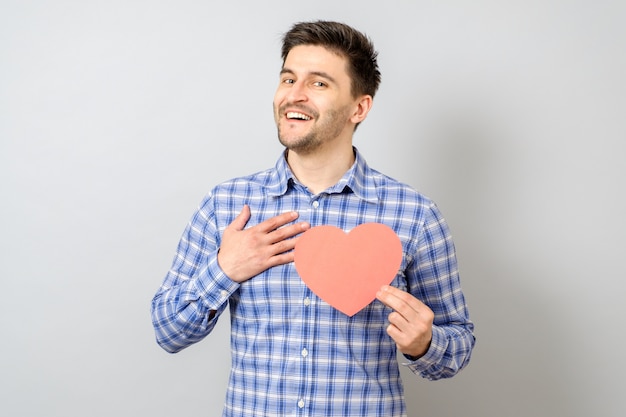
359 179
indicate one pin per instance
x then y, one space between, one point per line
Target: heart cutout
347 270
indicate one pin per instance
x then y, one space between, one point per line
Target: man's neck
321 169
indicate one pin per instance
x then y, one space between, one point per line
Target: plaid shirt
292 353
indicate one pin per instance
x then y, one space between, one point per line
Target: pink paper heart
346 270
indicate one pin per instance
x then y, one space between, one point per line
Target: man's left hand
411 322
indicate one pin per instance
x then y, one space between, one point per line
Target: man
292 353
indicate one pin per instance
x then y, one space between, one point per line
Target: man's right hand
246 253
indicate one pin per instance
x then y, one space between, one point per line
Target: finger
280 259
403 303
396 298
388 296
242 218
397 334
287 232
275 222
398 293
283 245
408 319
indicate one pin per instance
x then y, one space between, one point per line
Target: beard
323 130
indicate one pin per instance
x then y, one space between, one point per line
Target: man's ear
363 106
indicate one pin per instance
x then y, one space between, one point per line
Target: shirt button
316 204
224 293
305 353
301 403
307 302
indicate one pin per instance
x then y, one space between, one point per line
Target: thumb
242 218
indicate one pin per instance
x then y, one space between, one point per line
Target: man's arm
431 324
196 289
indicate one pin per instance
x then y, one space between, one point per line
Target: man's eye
319 84
288 81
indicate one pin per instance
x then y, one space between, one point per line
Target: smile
292 115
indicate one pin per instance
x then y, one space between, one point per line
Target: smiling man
292 353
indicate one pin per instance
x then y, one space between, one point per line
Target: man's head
327 82
345 41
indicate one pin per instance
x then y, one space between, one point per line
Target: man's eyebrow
317 73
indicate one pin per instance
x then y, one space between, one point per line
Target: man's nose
297 92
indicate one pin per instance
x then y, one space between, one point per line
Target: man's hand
410 324
246 253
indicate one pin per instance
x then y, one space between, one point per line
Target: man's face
313 104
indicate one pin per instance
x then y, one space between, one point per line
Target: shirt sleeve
195 290
433 278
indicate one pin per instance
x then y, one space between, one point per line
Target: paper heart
346 270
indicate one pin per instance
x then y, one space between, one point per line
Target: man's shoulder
259 178
259 182
239 190
386 184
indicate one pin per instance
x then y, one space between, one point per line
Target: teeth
296 115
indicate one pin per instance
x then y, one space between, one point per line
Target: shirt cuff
214 286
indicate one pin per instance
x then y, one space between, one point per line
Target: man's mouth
294 115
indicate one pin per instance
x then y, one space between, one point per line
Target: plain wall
116 117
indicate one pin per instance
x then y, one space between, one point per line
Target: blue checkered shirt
292 353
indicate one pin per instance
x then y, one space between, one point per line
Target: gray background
116 117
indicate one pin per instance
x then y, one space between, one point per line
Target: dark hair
355 46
